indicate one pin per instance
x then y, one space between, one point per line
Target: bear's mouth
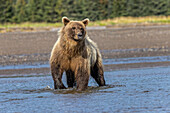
78 37
77 40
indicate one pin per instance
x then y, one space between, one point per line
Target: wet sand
29 47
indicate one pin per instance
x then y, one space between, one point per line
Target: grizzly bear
76 54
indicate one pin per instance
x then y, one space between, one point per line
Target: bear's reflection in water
90 89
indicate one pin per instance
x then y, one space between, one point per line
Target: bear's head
75 30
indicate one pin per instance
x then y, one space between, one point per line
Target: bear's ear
65 20
85 21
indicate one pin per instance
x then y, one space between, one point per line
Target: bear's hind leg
57 73
70 78
97 72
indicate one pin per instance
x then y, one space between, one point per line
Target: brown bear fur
77 55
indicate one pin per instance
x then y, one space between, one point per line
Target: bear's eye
73 28
81 29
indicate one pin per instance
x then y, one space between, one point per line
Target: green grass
109 22
138 20
29 24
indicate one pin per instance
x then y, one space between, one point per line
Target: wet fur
79 59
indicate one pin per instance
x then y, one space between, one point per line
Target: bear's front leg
70 78
57 73
82 74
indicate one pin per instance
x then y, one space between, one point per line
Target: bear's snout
80 35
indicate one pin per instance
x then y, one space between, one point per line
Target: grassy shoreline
28 26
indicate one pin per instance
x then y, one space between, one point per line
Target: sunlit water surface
131 90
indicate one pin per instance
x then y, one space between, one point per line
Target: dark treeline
17 11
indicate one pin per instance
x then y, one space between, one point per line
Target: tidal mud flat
136 63
30 48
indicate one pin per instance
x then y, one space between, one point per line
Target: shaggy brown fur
77 55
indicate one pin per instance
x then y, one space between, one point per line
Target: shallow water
131 90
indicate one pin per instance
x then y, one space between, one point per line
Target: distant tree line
17 11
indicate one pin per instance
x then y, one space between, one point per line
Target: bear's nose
79 35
